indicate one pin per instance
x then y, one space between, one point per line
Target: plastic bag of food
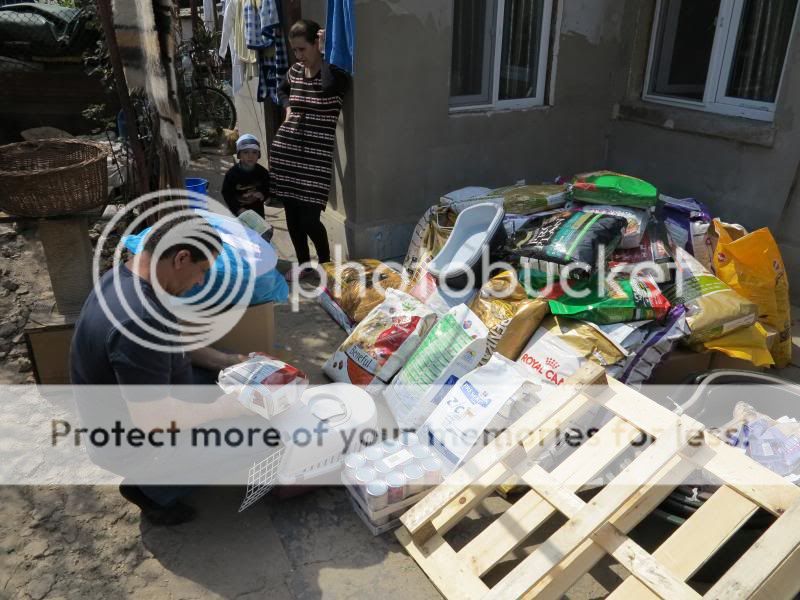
688 223
772 443
545 286
382 343
529 199
607 187
713 308
562 346
753 266
497 304
463 197
645 353
653 250
358 286
637 219
264 384
576 238
624 299
430 235
452 349
749 343
482 401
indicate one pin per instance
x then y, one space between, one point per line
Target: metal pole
142 174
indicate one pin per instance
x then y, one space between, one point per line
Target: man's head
248 151
184 247
304 38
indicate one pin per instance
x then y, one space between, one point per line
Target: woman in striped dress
301 158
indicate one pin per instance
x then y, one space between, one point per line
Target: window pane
519 62
468 73
761 49
683 48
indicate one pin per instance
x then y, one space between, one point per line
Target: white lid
373 453
365 475
377 488
395 479
354 460
413 472
432 464
327 408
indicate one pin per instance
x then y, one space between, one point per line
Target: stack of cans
389 472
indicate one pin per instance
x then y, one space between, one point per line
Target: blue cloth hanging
340 34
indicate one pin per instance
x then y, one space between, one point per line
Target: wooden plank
784 582
469 498
629 554
441 565
642 503
754 568
602 507
767 489
418 519
529 512
542 437
690 547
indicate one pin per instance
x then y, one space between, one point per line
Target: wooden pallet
599 527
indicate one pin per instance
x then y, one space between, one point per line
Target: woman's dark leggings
302 220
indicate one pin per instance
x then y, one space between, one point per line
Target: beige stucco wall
401 148
743 169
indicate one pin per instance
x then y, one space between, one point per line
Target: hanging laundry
254 38
274 60
340 33
243 59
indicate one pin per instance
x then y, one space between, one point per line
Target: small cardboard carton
255 332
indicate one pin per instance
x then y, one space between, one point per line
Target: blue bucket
196 184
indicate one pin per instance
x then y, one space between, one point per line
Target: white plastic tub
476 228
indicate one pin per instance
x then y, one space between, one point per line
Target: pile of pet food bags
602 268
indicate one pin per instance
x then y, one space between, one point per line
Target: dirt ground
86 541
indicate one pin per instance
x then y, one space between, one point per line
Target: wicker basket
45 178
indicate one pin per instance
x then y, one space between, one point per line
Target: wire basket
45 178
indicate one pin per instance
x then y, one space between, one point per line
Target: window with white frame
500 52
722 56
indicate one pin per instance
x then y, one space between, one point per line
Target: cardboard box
48 350
255 332
49 336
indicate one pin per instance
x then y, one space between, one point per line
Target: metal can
381 469
409 439
433 470
397 487
390 447
353 462
415 479
362 477
420 452
377 496
373 453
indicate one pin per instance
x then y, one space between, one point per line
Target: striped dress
301 156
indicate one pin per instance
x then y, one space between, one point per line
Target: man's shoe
174 514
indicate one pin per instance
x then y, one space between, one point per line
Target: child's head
248 151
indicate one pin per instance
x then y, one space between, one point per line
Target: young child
246 184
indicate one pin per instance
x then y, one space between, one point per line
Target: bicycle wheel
215 110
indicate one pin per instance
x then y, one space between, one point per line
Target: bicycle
211 108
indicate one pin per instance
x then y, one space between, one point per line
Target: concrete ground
79 542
